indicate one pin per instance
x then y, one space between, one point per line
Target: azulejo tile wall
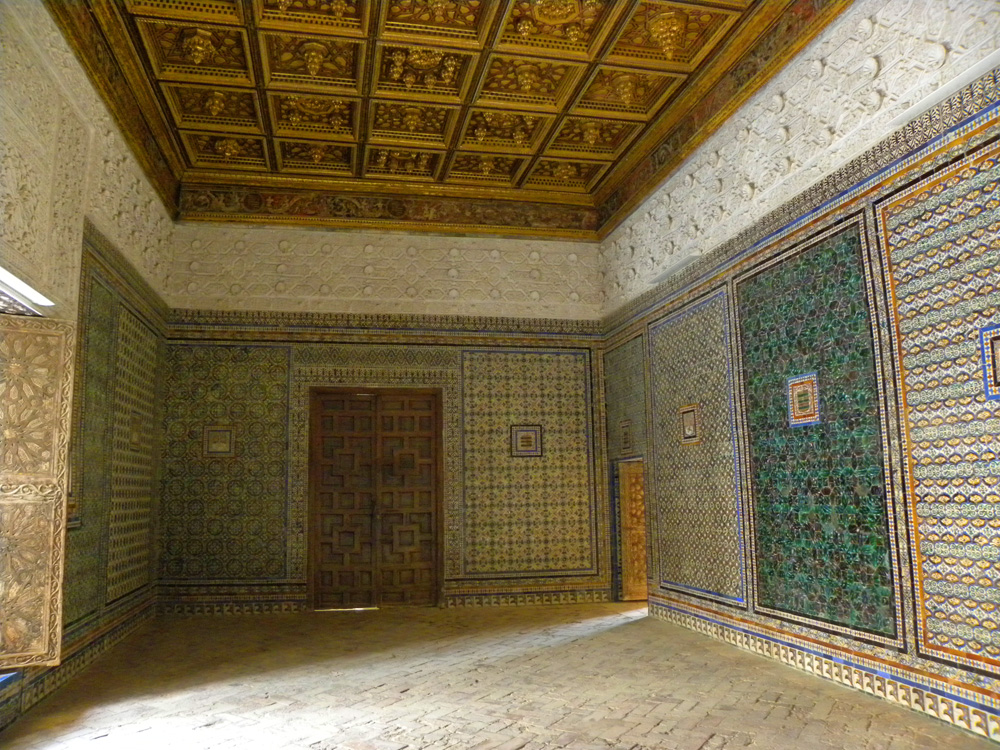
134 447
515 530
698 546
820 517
531 515
85 542
224 517
111 543
625 398
866 425
941 240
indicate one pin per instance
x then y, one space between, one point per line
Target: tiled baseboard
229 608
529 598
914 692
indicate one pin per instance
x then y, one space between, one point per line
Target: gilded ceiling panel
542 103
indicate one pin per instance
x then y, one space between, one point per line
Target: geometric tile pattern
803 399
135 405
224 518
939 239
819 497
625 395
91 454
204 386
533 516
697 539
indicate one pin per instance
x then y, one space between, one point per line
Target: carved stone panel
35 391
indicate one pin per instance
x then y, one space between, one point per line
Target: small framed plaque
219 441
803 400
989 339
690 415
135 430
525 440
625 430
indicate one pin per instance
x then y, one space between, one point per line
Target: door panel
344 501
406 500
374 495
632 495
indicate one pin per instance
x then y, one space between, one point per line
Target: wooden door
374 498
632 509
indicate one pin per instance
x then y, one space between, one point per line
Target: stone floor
525 678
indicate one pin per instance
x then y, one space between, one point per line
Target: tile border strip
910 692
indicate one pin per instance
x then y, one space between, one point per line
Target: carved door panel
374 498
343 496
406 499
631 489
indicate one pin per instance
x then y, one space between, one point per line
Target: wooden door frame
313 466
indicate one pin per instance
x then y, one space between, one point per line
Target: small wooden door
374 498
632 509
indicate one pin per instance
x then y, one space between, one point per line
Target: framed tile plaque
525 440
218 441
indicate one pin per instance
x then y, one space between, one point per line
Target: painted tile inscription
819 501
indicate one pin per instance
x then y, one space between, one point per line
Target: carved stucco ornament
624 85
506 125
565 172
667 30
402 161
528 77
314 54
561 14
227 148
335 111
591 132
215 103
198 45
425 66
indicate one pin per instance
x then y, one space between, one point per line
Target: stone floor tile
598 677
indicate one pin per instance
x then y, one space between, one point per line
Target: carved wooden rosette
35 399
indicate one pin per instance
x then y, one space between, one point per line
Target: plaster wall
62 158
239 267
871 71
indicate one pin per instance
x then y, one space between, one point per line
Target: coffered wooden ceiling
542 117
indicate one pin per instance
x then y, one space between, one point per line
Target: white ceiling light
19 289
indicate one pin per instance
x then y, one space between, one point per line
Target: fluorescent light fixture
17 286
675 268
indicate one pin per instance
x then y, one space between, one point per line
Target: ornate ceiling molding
546 118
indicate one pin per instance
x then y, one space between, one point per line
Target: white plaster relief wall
836 99
63 158
239 267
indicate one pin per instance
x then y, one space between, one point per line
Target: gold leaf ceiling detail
539 117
